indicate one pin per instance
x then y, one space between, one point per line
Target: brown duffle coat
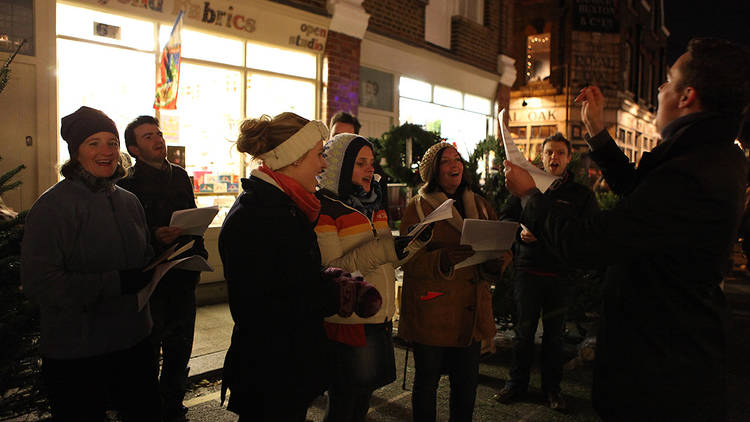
438 309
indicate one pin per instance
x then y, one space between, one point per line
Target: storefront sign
537 115
595 15
234 19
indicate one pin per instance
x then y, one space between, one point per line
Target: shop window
543 131
464 128
104 28
273 95
470 9
276 60
122 92
202 46
576 132
477 104
518 132
537 57
448 97
16 25
206 124
415 89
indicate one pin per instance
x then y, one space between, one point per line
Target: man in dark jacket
541 283
661 349
164 188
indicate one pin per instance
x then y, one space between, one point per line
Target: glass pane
104 27
198 45
281 61
122 92
209 110
273 95
477 104
415 89
463 128
449 97
537 57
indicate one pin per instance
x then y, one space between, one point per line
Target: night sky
686 19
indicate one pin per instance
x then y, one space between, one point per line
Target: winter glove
404 249
133 280
452 255
355 294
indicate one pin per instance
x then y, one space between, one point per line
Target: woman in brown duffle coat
446 312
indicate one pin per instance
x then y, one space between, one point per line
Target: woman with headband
278 291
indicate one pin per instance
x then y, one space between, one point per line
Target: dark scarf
365 202
458 197
75 171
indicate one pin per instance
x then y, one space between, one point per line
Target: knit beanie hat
428 163
86 121
340 153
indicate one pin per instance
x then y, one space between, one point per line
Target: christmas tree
19 320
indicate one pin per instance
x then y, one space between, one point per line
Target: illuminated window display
223 80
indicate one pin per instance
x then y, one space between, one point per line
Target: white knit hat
315 131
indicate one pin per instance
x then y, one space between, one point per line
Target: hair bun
253 137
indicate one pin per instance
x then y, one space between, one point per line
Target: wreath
392 146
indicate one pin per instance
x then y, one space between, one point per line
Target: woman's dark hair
433 184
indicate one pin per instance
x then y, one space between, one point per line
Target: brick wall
340 75
399 19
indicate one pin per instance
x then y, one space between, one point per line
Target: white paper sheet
443 212
478 258
489 239
194 221
542 179
191 263
488 235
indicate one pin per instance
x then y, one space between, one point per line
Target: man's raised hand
592 108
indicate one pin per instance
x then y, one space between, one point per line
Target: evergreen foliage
20 376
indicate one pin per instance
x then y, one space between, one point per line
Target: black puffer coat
661 349
278 301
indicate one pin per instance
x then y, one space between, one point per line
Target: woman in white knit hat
446 312
278 295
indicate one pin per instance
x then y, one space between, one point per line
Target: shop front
237 62
400 84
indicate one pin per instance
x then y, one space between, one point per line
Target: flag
168 79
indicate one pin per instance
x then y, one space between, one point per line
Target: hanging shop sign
595 15
232 18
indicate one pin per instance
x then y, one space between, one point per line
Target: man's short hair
717 69
558 137
345 117
130 130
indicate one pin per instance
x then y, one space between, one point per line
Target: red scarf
306 201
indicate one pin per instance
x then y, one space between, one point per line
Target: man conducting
541 282
661 349
164 188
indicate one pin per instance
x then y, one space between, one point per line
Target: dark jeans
537 295
81 390
462 366
173 312
358 371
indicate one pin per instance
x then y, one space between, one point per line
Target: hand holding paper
193 221
542 179
489 238
442 212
